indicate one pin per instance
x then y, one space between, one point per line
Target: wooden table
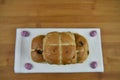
104 14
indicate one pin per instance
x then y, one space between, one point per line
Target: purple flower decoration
25 33
93 33
28 66
93 64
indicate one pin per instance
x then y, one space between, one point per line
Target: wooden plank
103 14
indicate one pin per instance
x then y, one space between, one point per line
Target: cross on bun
60 48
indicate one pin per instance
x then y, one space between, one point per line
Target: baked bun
59 48
81 48
37 49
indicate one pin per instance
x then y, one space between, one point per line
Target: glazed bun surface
59 48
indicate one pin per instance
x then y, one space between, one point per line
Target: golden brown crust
52 38
68 48
61 41
37 48
37 57
60 48
51 48
68 54
81 48
51 54
37 42
67 38
74 59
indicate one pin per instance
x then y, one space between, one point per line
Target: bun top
59 47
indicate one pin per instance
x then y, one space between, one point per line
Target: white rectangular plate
23 54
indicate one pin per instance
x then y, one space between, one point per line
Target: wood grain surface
104 14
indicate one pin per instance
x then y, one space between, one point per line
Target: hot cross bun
60 48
